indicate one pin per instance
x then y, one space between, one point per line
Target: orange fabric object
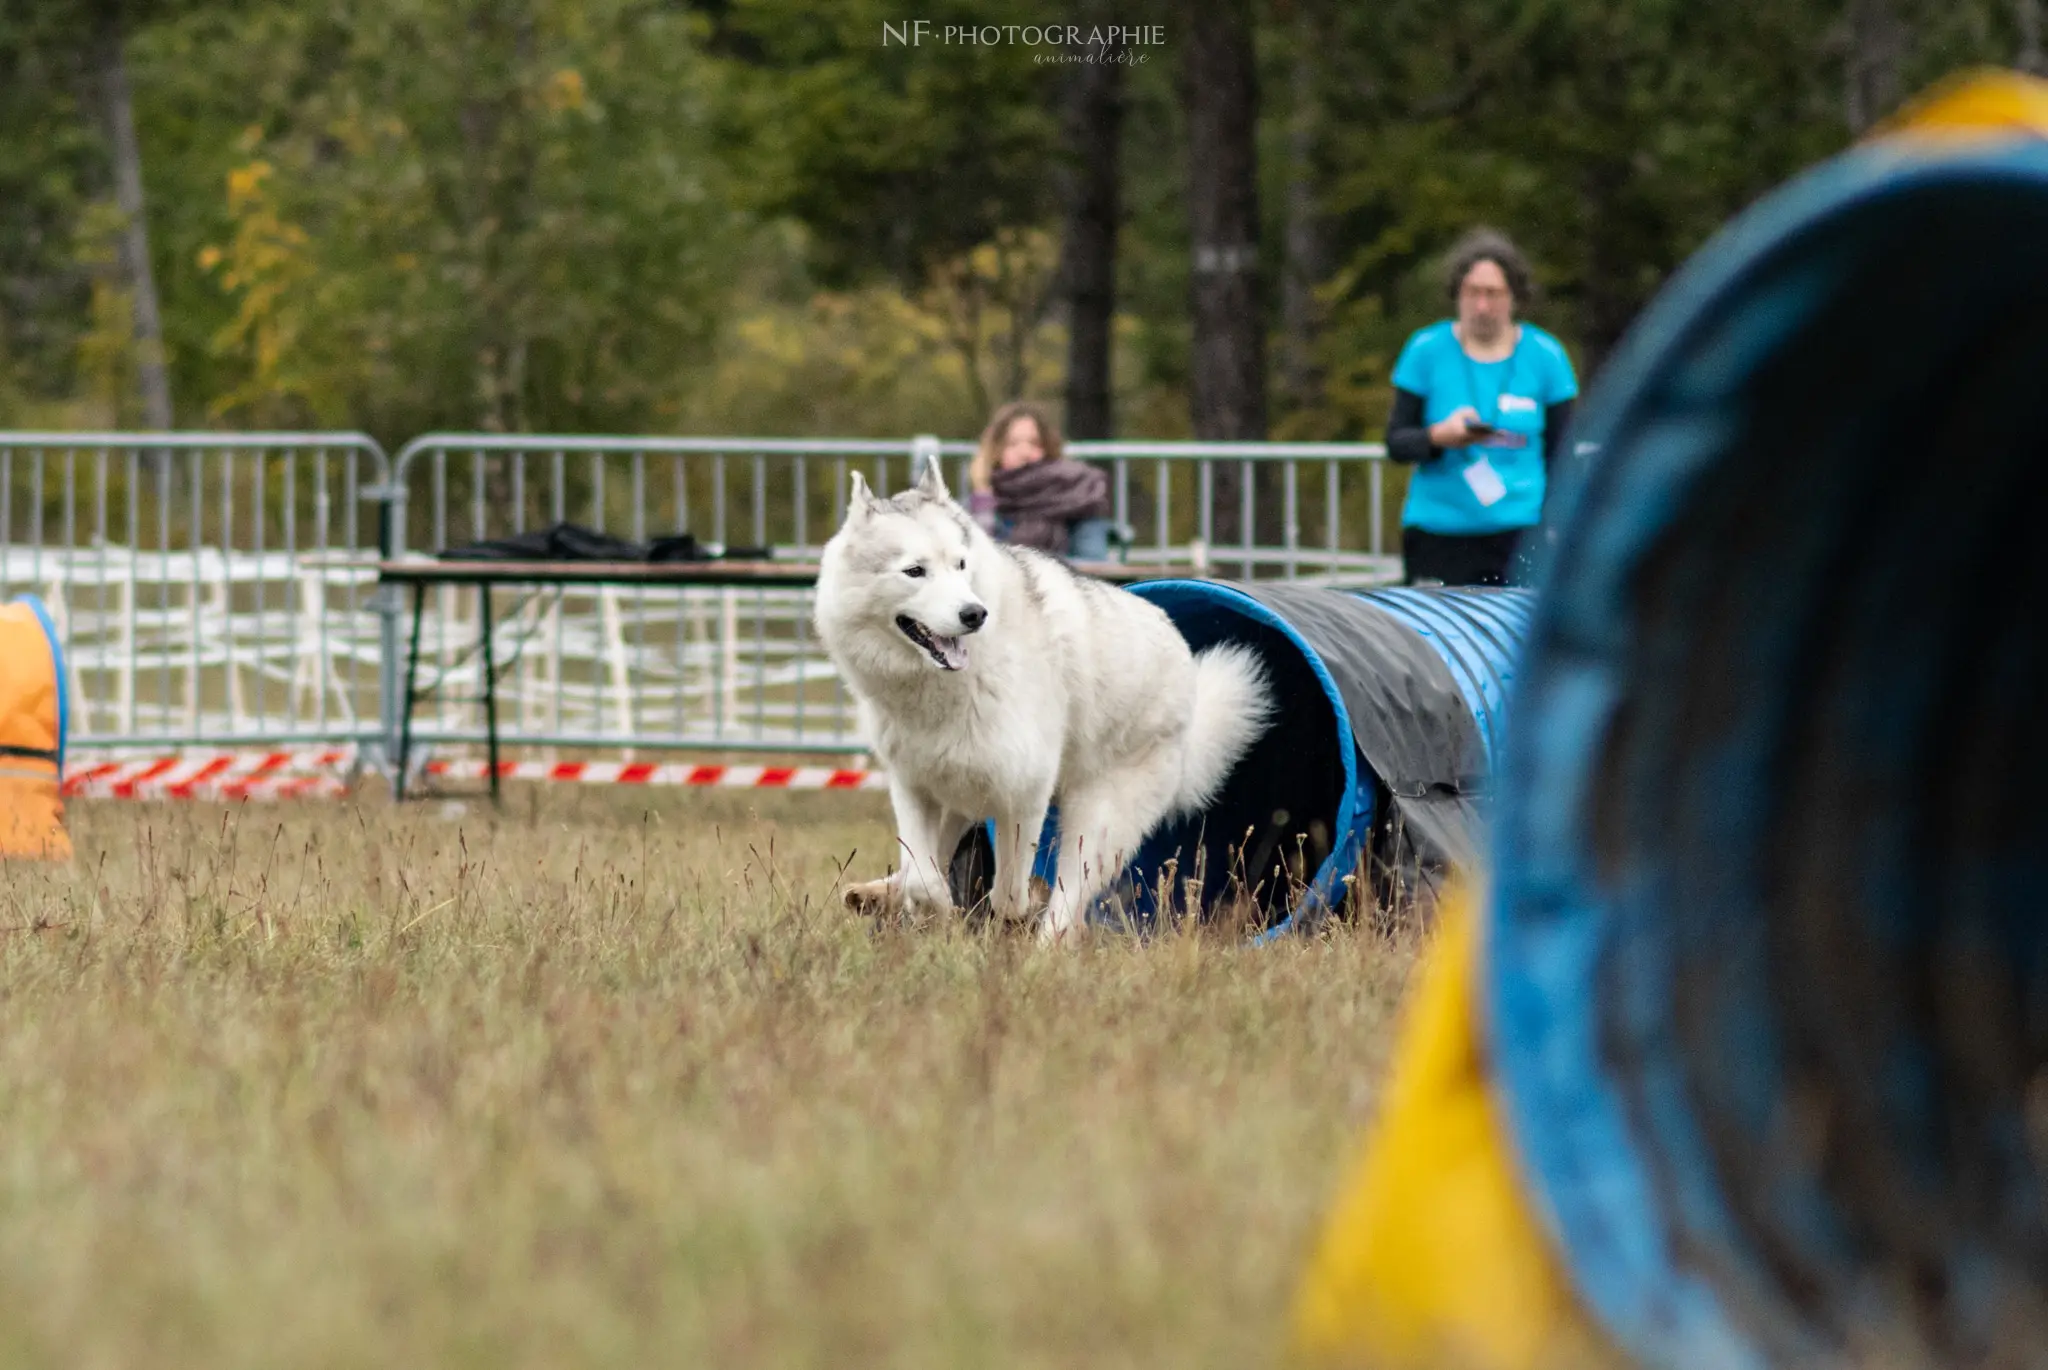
31 739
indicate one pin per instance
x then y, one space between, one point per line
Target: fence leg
615 657
391 705
483 604
400 755
127 650
728 660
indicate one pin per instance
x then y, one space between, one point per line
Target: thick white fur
1073 690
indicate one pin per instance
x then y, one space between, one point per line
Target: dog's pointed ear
860 501
932 484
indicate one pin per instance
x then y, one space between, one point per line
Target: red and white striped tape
215 776
322 775
651 773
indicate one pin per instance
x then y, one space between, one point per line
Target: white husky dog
993 681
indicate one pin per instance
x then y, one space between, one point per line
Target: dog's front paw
874 898
1038 894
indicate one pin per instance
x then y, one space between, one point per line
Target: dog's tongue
951 651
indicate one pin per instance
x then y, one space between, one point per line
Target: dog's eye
913 571
963 563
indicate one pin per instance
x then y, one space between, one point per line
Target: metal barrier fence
1332 525
611 666
208 587
738 670
221 588
788 493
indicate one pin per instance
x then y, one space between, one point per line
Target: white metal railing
221 588
787 492
209 587
732 669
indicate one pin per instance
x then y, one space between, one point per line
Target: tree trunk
1877 46
1095 118
1307 261
1220 94
492 197
118 110
494 201
1608 293
2027 14
1227 380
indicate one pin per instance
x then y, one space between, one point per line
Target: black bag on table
574 542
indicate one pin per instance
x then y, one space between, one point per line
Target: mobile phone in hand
1480 428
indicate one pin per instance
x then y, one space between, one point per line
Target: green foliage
876 361
48 147
895 155
1609 136
766 215
485 215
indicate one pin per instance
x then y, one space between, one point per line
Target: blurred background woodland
771 217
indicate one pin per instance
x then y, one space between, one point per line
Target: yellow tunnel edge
1433 1254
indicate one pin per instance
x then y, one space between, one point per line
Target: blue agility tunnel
1766 958
1377 765
1389 721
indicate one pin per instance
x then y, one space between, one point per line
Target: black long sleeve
1557 422
1407 435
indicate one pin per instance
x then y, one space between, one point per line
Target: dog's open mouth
946 651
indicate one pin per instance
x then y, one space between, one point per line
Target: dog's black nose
972 617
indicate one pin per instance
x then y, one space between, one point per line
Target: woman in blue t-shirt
1481 404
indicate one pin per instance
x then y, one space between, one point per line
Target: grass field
612 1080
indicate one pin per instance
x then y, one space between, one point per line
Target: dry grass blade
600 1085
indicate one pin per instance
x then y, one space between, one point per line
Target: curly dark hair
1490 245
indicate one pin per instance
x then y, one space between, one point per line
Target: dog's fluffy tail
1233 706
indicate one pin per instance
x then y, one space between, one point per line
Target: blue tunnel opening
1291 821
1388 709
1768 948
